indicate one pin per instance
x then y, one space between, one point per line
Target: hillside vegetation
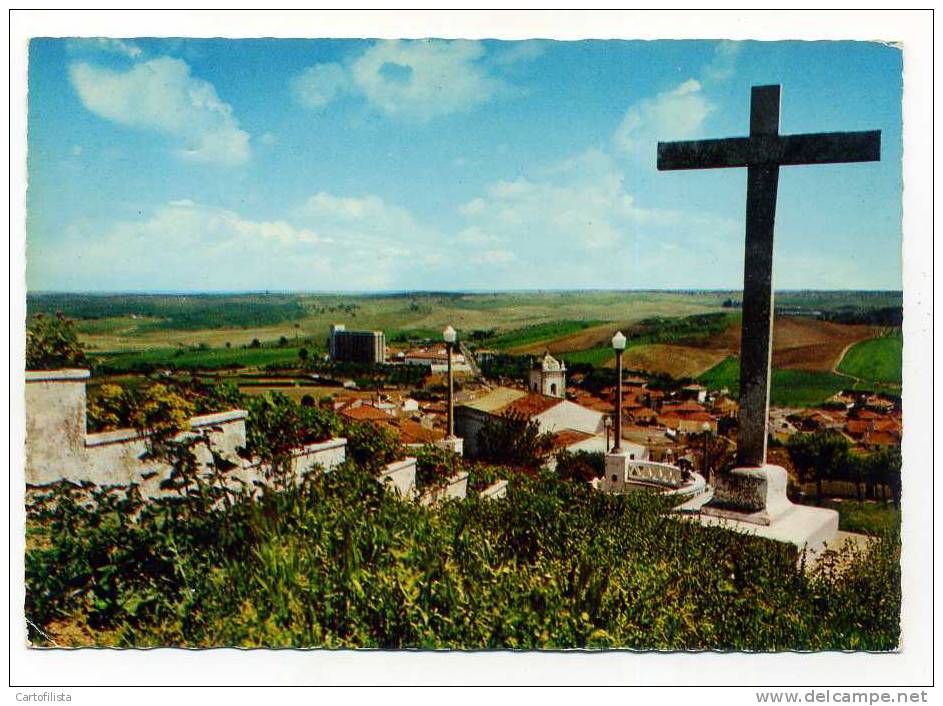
876 360
340 562
788 388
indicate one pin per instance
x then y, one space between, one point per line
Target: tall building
548 377
356 346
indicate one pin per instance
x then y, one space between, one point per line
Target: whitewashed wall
59 448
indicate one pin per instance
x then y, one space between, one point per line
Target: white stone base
753 501
754 494
455 445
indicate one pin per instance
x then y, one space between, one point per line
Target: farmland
683 334
876 360
136 322
788 388
197 359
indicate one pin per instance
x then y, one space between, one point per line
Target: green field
876 360
789 388
183 359
136 322
538 333
592 356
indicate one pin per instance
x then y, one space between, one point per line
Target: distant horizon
434 292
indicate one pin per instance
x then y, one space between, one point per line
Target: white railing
652 472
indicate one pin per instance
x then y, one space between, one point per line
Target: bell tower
548 377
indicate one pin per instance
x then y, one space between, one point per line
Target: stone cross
762 153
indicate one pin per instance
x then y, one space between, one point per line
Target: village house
695 393
575 427
436 360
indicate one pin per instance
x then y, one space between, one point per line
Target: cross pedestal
753 491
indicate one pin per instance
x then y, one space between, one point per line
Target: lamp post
618 344
608 423
448 336
706 428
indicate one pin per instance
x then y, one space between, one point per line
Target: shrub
155 409
580 466
372 446
52 342
337 561
434 466
276 425
514 440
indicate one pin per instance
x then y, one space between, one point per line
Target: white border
911 666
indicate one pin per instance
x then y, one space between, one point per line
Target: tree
53 342
515 440
303 355
256 343
580 466
823 454
884 466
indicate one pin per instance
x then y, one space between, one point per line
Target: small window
615 478
632 457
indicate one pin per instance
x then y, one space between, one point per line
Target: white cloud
575 225
329 242
724 62
318 85
161 95
414 80
514 52
671 115
105 44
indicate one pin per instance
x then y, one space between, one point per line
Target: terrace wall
58 446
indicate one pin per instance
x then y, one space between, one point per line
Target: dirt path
845 350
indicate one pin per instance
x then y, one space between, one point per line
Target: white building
548 377
552 414
437 360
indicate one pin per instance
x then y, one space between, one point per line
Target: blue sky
221 165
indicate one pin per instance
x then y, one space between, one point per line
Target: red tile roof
857 427
892 425
883 438
568 437
531 405
365 413
411 432
683 408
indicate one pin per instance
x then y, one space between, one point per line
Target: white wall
569 415
58 446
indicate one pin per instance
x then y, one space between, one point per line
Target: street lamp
608 424
618 344
706 428
448 335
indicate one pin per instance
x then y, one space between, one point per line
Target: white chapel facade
548 377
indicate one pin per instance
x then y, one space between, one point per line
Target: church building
548 377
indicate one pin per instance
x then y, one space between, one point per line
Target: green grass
538 333
789 388
597 357
876 360
868 517
183 359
